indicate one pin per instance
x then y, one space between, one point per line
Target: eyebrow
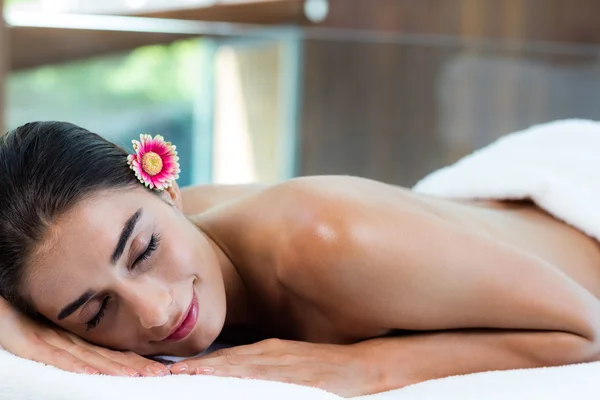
74 306
125 235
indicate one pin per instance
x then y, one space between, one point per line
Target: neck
236 293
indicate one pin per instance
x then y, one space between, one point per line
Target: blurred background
264 90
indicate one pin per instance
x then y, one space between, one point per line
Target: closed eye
152 246
91 324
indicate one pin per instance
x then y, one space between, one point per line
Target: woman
365 286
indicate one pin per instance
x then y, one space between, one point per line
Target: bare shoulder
315 210
198 199
324 192
307 231
325 225
328 240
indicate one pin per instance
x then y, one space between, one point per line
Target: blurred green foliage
10 2
145 75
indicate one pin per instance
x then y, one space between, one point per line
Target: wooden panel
35 46
376 109
370 110
517 19
32 47
255 12
547 20
3 64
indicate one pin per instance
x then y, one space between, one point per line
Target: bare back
310 248
524 225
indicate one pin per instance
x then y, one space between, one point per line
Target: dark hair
45 169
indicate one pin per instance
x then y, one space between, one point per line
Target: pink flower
155 162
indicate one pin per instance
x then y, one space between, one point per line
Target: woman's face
126 269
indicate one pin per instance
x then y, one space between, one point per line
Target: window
152 90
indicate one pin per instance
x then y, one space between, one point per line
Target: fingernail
130 372
156 370
91 371
179 368
205 370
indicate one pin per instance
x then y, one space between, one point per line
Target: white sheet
557 165
573 382
26 380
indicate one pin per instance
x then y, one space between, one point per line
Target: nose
149 300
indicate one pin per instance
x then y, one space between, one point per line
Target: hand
25 338
339 369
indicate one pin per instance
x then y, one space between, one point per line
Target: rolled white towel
557 165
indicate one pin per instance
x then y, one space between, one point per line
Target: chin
205 333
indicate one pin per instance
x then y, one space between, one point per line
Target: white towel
22 379
557 165
572 382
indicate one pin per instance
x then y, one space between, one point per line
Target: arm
51 345
402 361
383 364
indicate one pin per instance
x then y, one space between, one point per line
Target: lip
186 324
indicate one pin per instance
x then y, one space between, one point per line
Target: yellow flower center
152 163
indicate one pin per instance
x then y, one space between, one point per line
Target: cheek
122 334
184 254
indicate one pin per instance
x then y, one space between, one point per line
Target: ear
173 196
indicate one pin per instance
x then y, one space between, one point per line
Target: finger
111 362
104 364
250 371
224 352
61 359
144 366
189 367
255 371
254 348
83 352
247 359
